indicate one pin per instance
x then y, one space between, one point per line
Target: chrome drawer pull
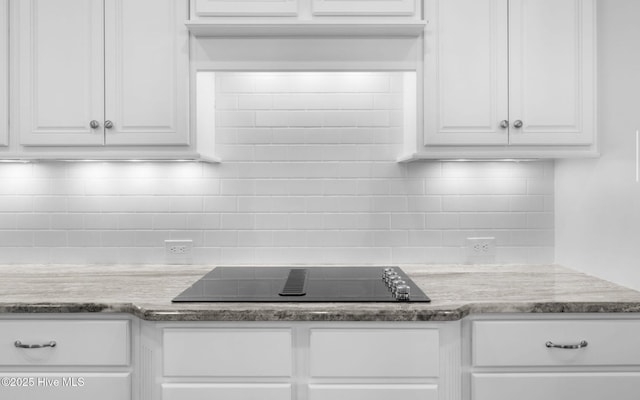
583 343
34 346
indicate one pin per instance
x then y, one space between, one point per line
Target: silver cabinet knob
108 124
504 124
94 124
518 124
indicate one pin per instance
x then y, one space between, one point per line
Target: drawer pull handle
34 346
583 343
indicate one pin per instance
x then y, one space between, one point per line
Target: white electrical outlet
481 250
178 251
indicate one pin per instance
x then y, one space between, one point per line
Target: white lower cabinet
373 392
301 360
586 357
556 386
208 391
66 357
66 386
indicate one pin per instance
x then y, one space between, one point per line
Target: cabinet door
373 392
220 8
555 386
551 71
359 7
147 72
61 71
66 386
241 391
466 72
4 72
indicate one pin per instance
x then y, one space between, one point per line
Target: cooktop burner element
304 284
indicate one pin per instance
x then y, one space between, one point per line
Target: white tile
390 204
84 238
540 221
442 221
255 102
7 222
221 204
493 221
117 238
135 221
203 221
255 238
431 238
289 239
272 221
236 118
391 238
50 238
169 221
407 221
425 203
16 204
475 203
340 119
100 221
237 221
67 221
373 118
14 238
50 204
221 238
243 255
32 221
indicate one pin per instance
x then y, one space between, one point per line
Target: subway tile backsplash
308 176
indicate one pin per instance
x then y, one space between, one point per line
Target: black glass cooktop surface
298 284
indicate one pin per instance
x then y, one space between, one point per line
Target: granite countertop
455 290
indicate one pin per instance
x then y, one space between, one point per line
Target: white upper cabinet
147 72
61 70
102 72
308 12
4 72
552 71
509 78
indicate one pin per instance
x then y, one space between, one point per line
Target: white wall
598 201
308 176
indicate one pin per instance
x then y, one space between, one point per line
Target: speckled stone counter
455 290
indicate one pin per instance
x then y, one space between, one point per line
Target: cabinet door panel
373 392
77 343
61 69
147 72
356 353
208 391
551 71
4 72
227 352
556 386
466 72
65 386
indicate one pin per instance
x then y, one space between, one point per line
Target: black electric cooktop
303 284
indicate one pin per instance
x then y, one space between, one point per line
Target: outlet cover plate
481 250
178 251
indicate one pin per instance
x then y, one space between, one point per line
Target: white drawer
556 386
522 343
77 342
373 392
366 353
208 391
227 352
66 386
